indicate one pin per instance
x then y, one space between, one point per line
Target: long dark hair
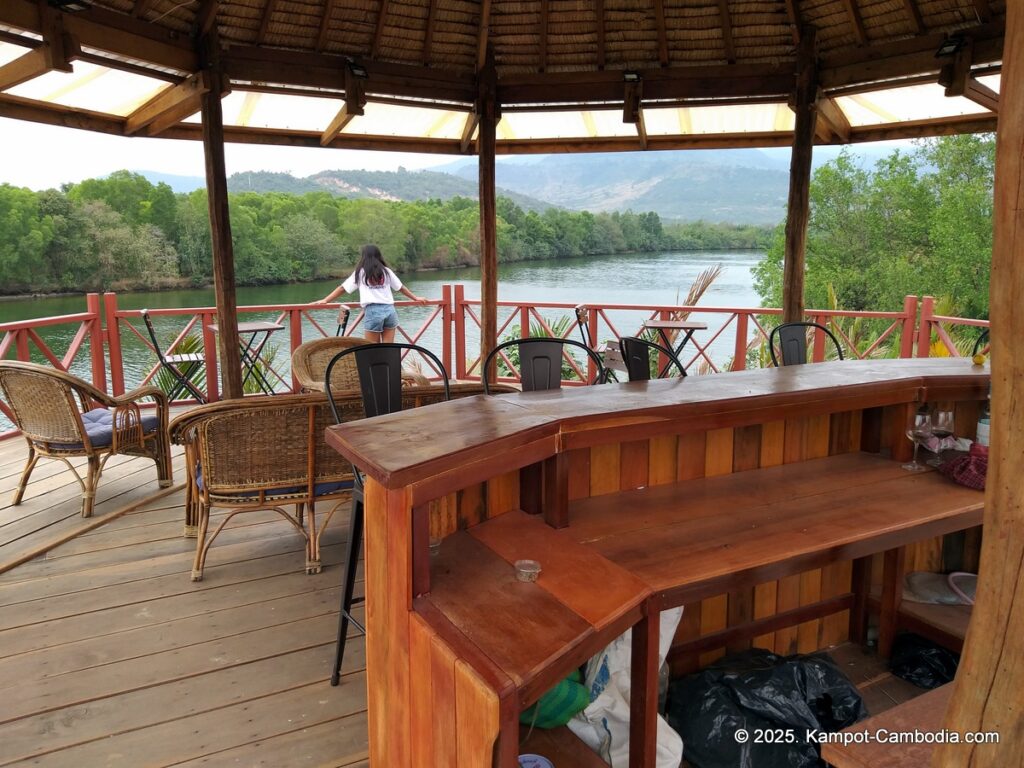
371 262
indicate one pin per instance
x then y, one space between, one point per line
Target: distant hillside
735 186
381 185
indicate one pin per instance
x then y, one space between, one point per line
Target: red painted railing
22 336
453 323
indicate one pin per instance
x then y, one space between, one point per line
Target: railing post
924 330
460 331
446 327
818 354
113 333
99 363
21 345
739 356
210 353
592 318
909 319
524 321
295 334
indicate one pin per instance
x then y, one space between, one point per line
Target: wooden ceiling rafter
793 12
542 37
981 94
141 8
268 11
659 21
472 121
856 21
56 52
484 36
169 107
599 23
915 16
726 21
832 122
206 18
428 35
355 103
325 25
378 33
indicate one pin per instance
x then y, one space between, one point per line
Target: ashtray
534 761
527 570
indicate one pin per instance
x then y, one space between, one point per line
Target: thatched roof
541 55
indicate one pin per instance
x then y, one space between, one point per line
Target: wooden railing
453 323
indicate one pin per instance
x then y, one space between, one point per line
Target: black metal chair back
170 363
981 342
380 379
636 353
540 362
380 376
792 342
343 315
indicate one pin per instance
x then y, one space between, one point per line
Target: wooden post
798 213
220 237
487 108
990 678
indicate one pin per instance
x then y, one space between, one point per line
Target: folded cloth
968 469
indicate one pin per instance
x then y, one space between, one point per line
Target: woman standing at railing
376 281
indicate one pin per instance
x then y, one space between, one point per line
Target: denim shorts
380 317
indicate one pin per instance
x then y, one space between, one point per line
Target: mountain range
739 186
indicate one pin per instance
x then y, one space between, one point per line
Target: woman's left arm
412 296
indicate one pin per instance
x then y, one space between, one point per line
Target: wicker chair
309 364
268 453
62 417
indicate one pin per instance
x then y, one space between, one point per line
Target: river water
662 278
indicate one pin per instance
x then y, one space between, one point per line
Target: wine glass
942 427
918 432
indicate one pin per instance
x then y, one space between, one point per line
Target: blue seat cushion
99 425
320 489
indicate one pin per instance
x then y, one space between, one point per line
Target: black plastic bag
922 662
775 700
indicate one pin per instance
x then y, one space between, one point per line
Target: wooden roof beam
485 30
378 33
36 62
659 20
856 21
832 122
955 74
169 107
141 8
268 11
981 94
472 121
915 16
542 36
355 102
325 23
428 36
599 19
206 16
726 20
632 96
116 33
793 11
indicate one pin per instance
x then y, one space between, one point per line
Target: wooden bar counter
765 502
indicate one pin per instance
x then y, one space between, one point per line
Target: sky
44 156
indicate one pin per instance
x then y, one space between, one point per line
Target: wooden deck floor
111 656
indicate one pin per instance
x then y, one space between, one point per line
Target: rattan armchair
62 417
260 453
310 359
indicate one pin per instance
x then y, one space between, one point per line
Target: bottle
984 420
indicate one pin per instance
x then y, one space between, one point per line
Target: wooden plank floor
113 657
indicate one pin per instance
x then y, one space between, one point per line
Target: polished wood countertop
520 428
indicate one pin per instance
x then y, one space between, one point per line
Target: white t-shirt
373 294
